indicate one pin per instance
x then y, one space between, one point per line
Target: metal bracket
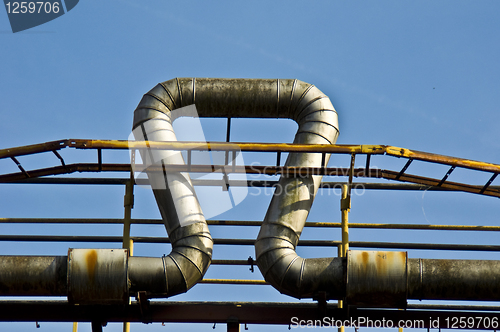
225 181
251 262
233 324
321 298
97 326
443 180
143 302
404 169
20 166
59 157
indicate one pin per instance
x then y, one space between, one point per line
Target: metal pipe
262 98
251 242
251 223
269 170
128 205
345 206
240 183
270 147
443 279
184 220
288 210
33 275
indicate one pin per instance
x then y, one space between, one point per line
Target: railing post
128 204
345 207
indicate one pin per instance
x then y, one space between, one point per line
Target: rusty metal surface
32 149
391 175
262 147
33 275
279 313
376 278
270 170
251 242
366 225
98 276
249 223
439 279
440 159
148 274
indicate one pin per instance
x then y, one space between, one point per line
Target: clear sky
422 75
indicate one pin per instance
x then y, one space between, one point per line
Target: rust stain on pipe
91 259
376 278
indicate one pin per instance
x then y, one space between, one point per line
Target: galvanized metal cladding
365 278
294 99
97 276
383 279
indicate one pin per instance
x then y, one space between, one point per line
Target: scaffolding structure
235 313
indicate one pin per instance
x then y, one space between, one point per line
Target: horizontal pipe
268 170
241 183
217 312
231 262
33 149
233 282
33 275
250 242
440 159
430 279
250 223
441 279
267 147
454 307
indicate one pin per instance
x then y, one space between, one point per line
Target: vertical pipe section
345 206
291 203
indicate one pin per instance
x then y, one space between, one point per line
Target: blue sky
421 75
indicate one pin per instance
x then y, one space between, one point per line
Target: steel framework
235 313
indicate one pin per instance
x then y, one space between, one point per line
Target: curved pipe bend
275 246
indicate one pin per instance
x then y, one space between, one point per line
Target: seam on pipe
287 269
161 100
313 133
169 94
300 99
180 91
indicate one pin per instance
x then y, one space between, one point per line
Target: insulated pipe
440 279
33 275
428 279
245 98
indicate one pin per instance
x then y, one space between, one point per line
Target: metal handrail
369 150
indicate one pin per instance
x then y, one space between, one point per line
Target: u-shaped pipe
240 98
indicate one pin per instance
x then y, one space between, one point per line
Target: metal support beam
245 312
252 223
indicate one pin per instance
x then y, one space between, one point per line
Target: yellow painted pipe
233 282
